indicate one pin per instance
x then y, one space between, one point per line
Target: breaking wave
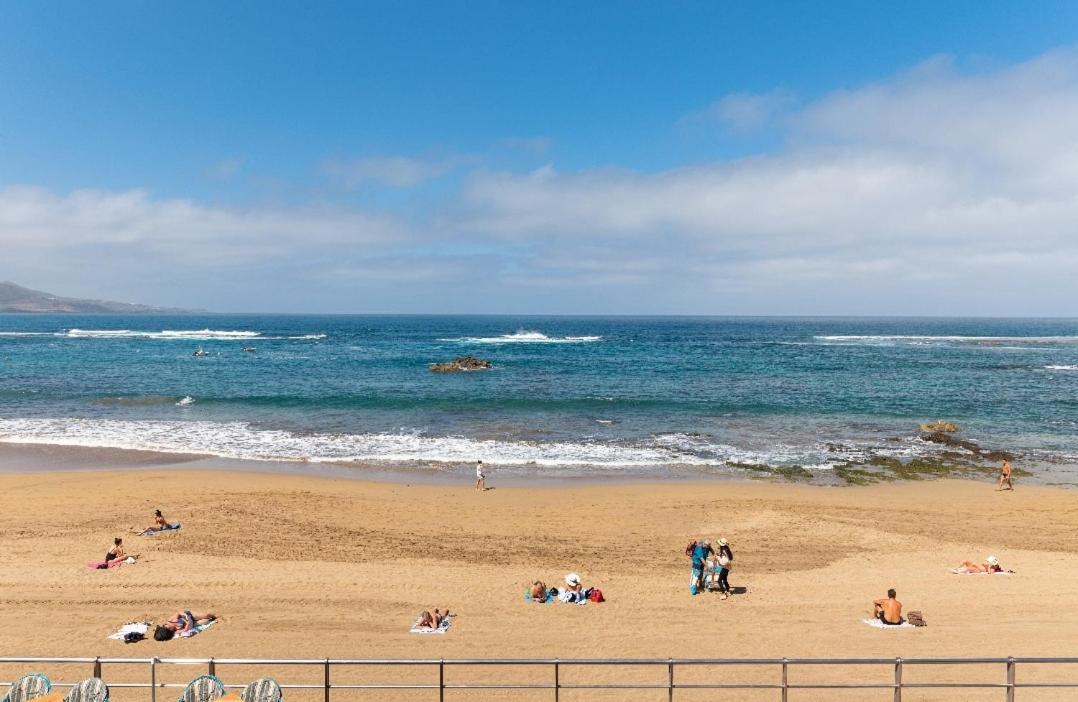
525 337
240 440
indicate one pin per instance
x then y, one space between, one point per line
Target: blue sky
704 158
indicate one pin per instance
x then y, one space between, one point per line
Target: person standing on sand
699 552
1005 477
889 610
480 477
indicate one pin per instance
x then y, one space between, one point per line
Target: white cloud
393 171
743 112
936 177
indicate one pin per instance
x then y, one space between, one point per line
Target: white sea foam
930 339
15 333
307 336
185 401
186 335
1062 368
525 337
240 440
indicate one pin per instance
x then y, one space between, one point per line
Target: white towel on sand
880 625
442 628
960 571
131 627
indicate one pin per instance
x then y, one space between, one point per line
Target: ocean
829 400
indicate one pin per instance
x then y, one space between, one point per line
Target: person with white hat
990 565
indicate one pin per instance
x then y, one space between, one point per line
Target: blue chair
205 688
262 690
28 687
89 690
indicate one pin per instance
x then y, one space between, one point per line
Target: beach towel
963 571
165 530
96 565
880 625
442 628
198 629
548 600
130 628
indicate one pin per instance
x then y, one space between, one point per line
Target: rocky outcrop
460 364
940 426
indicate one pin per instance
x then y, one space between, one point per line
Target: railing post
670 679
898 680
213 667
441 680
97 667
557 682
153 679
325 680
1010 678
785 680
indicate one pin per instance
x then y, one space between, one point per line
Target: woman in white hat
990 565
726 560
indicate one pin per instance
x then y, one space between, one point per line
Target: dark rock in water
940 426
461 364
982 454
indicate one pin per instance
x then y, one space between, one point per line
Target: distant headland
16 298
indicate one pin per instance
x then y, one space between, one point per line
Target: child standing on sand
480 477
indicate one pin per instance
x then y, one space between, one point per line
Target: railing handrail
557 685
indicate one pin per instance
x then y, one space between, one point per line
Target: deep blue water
566 394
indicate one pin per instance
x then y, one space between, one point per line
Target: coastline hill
15 298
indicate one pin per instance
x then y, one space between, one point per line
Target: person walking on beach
1005 477
480 477
726 560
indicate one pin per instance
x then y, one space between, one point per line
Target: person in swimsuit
182 622
1005 477
159 524
538 591
990 565
888 610
432 621
116 553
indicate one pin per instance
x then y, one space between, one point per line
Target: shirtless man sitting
888 610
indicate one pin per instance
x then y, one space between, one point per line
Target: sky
714 158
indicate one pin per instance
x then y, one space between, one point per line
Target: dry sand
316 567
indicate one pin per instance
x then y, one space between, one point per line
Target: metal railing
557 684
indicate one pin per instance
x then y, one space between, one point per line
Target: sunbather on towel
888 610
159 524
116 553
432 621
538 592
990 565
183 621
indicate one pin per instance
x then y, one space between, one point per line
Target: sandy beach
317 567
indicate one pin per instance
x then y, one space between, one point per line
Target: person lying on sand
538 592
888 610
159 524
990 565
183 621
432 621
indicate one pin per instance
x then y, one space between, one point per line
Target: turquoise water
566 395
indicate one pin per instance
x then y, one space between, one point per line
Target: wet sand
315 567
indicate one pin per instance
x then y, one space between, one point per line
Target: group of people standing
710 566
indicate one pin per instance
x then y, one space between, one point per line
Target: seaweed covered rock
461 364
940 426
